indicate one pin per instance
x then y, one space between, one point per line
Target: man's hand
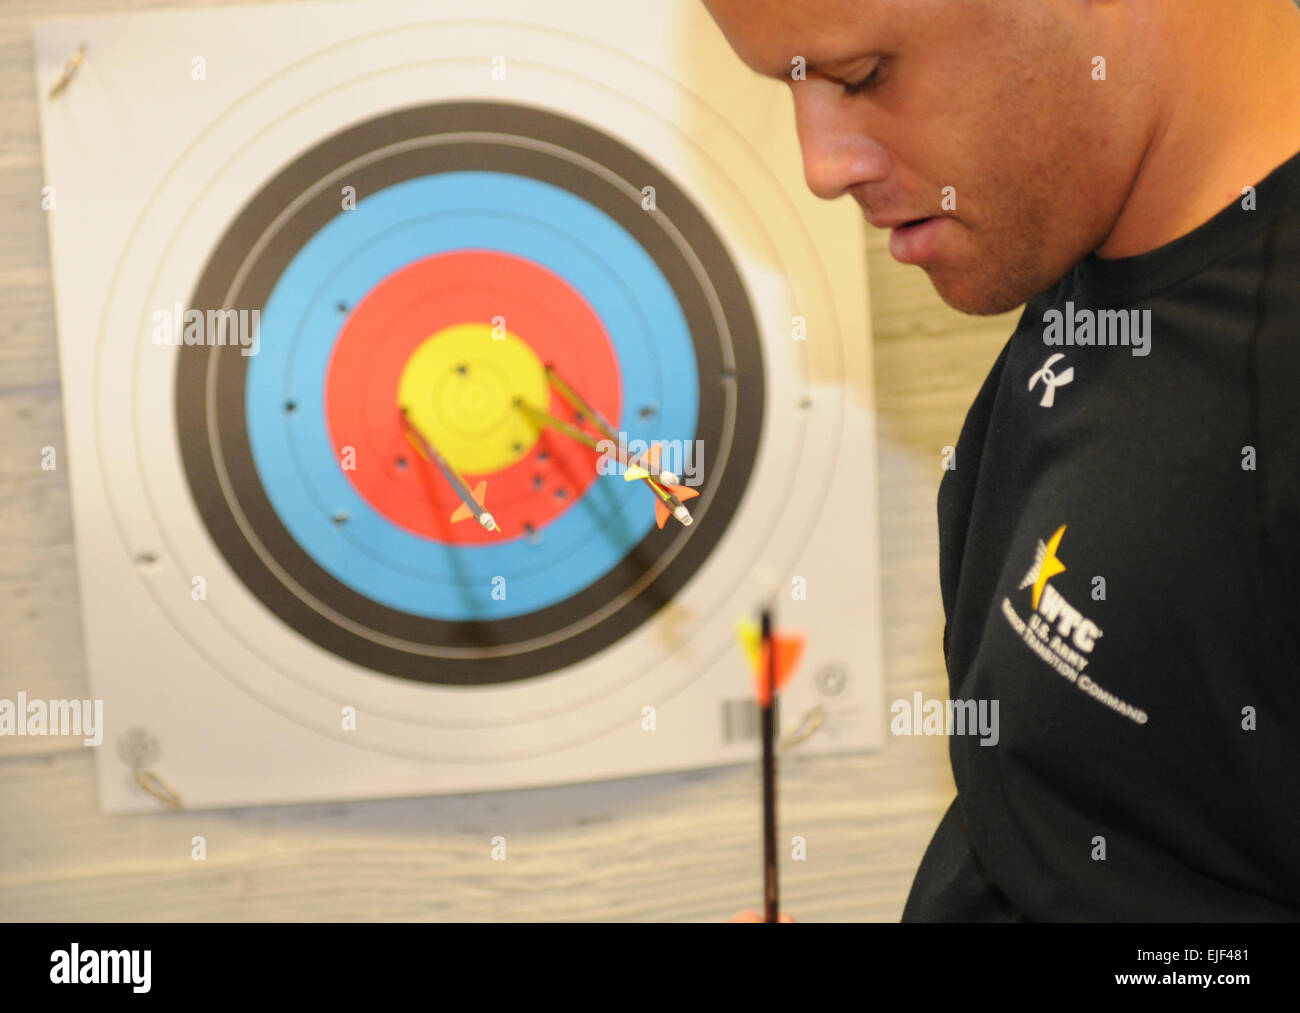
757 916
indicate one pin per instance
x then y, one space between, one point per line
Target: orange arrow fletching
682 492
463 512
789 652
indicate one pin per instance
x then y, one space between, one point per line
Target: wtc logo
1053 380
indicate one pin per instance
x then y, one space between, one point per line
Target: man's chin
977 295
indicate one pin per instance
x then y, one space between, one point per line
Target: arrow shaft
449 473
768 714
546 418
580 405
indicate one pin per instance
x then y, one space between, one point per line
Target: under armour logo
1053 380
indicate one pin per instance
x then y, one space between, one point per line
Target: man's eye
868 83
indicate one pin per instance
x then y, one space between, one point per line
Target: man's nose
838 151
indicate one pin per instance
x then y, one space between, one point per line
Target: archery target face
435 254
472 213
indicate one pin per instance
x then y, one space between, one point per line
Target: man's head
998 99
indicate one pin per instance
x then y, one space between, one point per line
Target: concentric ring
383 152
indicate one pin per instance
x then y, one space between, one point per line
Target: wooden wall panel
677 847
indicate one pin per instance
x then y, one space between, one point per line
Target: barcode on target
741 719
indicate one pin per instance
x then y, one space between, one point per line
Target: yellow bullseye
459 388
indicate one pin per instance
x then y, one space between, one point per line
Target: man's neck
1232 115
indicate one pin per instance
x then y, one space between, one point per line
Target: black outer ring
728 479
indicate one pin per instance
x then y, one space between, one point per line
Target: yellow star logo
1051 565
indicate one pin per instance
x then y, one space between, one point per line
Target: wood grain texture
680 847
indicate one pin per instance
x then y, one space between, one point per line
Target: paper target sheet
442 390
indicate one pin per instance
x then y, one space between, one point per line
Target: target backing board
317 264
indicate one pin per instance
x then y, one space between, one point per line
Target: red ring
417 301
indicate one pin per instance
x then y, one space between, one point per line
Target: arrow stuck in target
471 504
642 467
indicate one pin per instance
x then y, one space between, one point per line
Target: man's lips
917 241
912 240
897 223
